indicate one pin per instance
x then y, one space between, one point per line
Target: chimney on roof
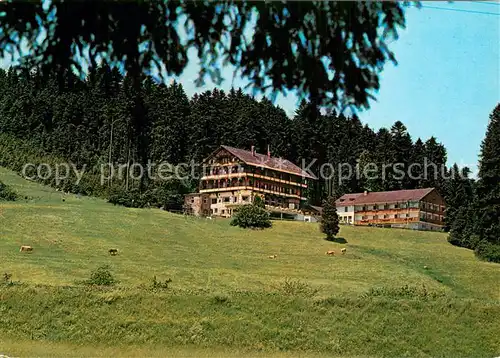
253 150
268 152
365 193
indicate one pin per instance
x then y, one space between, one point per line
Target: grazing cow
343 250
26 248
113 251
273 256
330 253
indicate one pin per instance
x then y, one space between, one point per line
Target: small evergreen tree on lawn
251 216
329 218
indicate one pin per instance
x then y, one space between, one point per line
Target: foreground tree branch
330 51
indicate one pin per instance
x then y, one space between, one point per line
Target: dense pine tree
402 150
488 191
308 150
460 213
113 117
462 227
378 164
276 125
168 108
434 165
416 165
242 125
205 120
458 193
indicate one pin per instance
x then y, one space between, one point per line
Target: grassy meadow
394 293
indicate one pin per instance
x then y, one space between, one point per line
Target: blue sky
446 83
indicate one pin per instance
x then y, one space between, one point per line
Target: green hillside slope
394 292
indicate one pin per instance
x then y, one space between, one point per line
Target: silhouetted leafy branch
330 51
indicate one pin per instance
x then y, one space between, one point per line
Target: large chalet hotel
234 177
419 209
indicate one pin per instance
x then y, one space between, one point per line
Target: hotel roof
383 197
262 160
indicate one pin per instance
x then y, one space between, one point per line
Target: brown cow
330 253
26 248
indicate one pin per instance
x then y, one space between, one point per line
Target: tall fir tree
458 193
307 135
402 149
276 125
416 165
462 231
332 141
488 191
243 125
168 108
434 165
354 135
382 158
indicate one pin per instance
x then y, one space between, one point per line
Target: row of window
224 160
240 169
277 188
387 216
428 216
227 199
260 185
427 206
423 216
275 174
403 205
225 183
234 199
433 207
223 211
224 170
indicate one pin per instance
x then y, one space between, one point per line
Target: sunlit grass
71 236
